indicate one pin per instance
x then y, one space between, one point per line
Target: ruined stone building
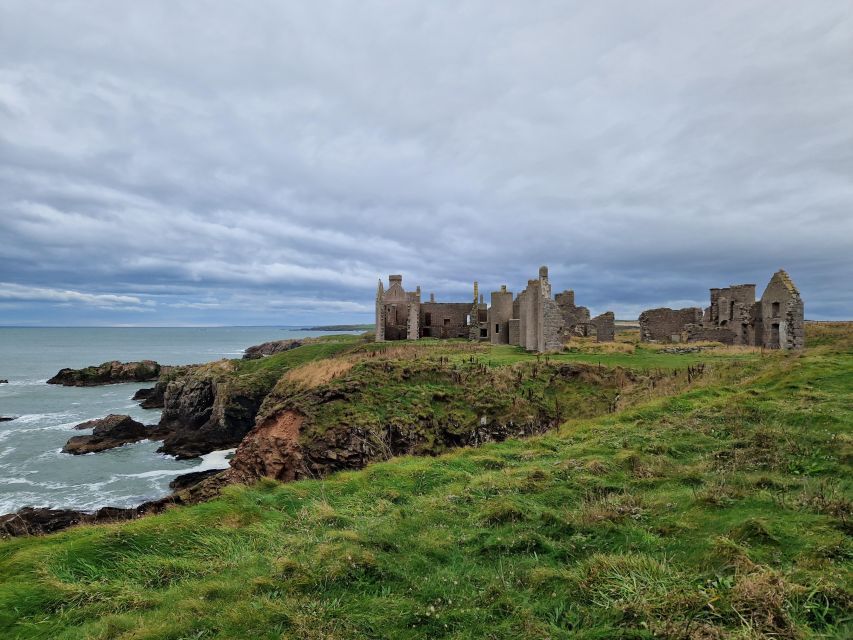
735 317
534 319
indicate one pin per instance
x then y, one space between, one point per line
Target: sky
264 163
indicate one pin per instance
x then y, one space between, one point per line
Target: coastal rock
270 450
109 432
35 521
269 348
30 521
203 413
143 394
152 397
191 479
113 372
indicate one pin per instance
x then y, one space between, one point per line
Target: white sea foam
215 460
17 481
29 418
26 382
17 432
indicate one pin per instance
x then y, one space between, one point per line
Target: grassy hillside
720 511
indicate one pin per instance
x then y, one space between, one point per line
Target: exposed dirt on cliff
271 449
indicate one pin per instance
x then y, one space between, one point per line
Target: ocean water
33 469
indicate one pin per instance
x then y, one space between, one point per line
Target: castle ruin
533 319
735 317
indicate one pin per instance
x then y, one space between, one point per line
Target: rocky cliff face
204 410
380 410
153 397
271 450
113 372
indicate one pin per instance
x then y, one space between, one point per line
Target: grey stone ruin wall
605 327
500 313
413 329
732 304
696 333
795 321
514 331
731 308
573 315
663 324
552 326
444 319
380 321
782 314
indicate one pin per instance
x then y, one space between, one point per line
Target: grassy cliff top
720 511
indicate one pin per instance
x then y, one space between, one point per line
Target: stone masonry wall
695 333
446 319
605 327
660 325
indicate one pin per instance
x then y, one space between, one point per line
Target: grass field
720 511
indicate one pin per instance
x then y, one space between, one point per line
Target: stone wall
397 311
573 315
697 333
551 335
782 314
444 319
514 332
666 325
605 327
500 313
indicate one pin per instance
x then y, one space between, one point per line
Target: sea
33 469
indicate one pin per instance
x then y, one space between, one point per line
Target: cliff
212 406
377 409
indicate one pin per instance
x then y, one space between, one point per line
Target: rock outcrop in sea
112 431
273 347
113 372
151 398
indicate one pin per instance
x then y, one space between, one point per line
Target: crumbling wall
444 319
605 327
397 311
514 331
697 333
782 314
731 305
552 327
573 315
500 313
666 325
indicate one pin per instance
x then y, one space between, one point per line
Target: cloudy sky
265 162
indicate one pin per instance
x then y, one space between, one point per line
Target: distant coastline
340 327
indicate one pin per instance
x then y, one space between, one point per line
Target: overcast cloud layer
265 162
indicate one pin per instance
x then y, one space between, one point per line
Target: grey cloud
250 164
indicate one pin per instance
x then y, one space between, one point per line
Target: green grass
723 511
258 376
275 365
642 358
